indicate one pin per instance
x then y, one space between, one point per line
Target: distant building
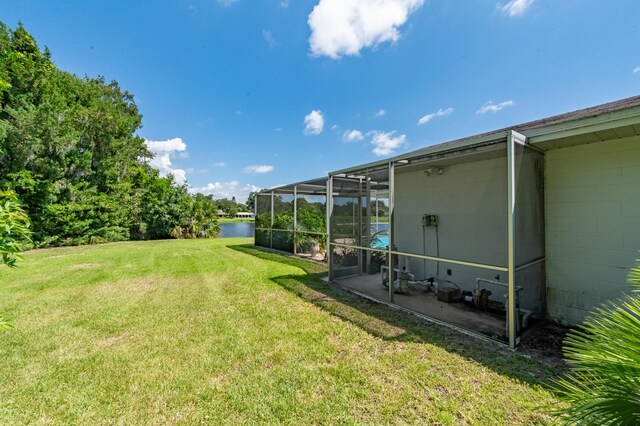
244 215
221 213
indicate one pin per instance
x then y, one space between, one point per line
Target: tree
251 200
14 235
14 229
69 150
603 387
202 222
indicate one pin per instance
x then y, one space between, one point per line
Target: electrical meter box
430 220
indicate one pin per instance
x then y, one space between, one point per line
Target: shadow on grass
394 325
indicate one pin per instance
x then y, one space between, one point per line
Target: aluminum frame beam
513 138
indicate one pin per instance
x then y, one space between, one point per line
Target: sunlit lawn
233 220
212 331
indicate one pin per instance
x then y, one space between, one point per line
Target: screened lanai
453 232
292 218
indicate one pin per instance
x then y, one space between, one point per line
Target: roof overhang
308 187
611 121
455 148
562 131
614 125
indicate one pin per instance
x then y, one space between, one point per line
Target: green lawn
210 331
233 220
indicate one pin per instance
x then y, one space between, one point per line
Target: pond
246 229
236 229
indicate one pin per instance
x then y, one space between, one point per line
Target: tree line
70 151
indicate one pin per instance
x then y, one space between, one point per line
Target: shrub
14 229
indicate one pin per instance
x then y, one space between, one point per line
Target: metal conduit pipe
525 315
385 268
498 283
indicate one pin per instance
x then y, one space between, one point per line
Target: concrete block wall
470 200
592 208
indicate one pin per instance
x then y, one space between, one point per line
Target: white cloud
493 107
220 164
226 2
268 37
162 152
313 123
170 145
386 143
352 136
440 113
636 70
344 27
514 7
258 169
226 190
380 113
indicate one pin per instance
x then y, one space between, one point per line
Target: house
491 234
244 215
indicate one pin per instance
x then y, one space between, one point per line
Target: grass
233 220
215 331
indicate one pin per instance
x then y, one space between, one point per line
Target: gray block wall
470 200
592 207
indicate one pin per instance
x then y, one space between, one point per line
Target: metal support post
295 219
255 216
329 202
367 225
271 226
512 139
390 231
359 233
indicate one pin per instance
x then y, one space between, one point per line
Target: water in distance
236 230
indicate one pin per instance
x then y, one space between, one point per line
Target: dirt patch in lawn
80 266
58 256
133 287
110 341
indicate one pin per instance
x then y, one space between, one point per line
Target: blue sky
240 94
